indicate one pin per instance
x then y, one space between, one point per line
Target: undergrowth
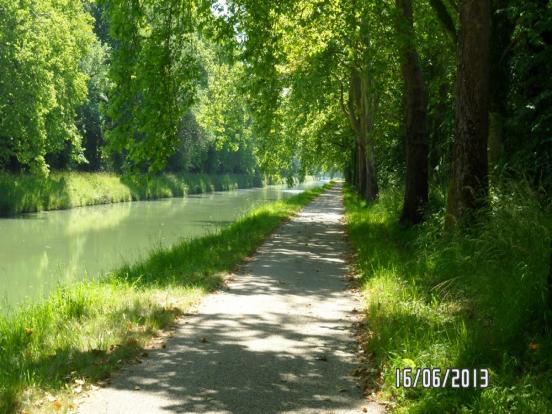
476 298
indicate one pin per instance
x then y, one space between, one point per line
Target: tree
89 117
154 75
469 184
222 112
417 186
42 83
502 29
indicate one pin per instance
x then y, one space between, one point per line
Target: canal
41 251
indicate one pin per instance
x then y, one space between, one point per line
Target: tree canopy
393 92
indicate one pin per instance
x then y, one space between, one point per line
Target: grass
62 190
50 351
473 299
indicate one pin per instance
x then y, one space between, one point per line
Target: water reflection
42 250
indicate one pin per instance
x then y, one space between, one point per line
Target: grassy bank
475 299
50 351
26 193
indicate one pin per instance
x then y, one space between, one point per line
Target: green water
41 251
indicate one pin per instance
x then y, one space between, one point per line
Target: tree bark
361 169
416 190
469 184
360 106
502 30
371 190
360 109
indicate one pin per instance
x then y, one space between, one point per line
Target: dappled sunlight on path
278 339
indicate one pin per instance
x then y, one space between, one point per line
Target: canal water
41 251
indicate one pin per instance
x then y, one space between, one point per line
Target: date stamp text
442 378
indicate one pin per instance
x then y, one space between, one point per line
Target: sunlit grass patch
51 351
474 299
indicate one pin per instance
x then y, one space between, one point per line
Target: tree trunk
502 29
469 184
371 190
416 191
354 171
359 109
361 169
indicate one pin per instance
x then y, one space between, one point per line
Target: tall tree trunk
502 29
469 184
359 109
372 190
361 169
348 170
354 166
416 191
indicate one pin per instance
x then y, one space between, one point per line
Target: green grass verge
62 190
84 332
473 299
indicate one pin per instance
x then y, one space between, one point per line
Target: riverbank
53 351
473 299
62 190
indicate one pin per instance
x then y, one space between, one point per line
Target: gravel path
278 340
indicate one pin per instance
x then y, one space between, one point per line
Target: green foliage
438 58
90 119
297 89
154 72
528 140
290 88
42 82
222 113
84 332
472 299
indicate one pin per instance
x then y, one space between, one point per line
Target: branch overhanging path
279 339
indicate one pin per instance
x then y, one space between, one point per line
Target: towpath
279 339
